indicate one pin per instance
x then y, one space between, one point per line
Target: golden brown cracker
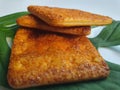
40 58
32 21
68 17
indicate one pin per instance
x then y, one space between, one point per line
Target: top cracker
68 17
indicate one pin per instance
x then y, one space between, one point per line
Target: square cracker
68 17
32 21
41 58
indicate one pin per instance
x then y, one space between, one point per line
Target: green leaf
4 58
108 37
10 20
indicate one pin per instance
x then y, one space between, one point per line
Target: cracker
63 17
40 58
32 21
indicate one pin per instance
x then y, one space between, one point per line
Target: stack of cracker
51 47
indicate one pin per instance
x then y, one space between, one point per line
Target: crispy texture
40 58
32 21
68 17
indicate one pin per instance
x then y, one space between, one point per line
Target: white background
105 7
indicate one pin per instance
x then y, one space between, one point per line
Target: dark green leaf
109 36
4 55
10 20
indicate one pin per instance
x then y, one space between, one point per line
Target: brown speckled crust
40 58
68 17
32 21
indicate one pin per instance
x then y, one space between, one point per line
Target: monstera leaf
109 36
